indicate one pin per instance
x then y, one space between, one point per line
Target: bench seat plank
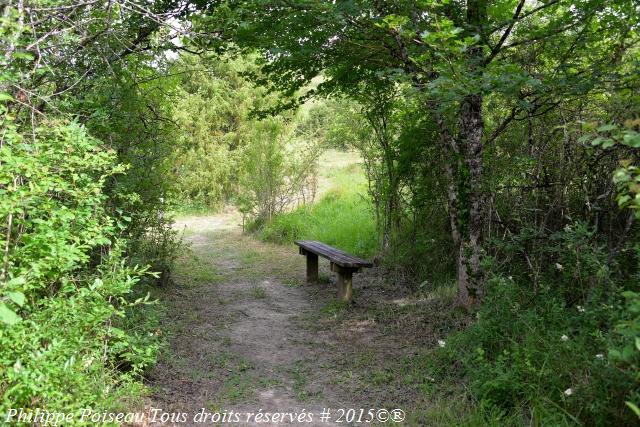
334 255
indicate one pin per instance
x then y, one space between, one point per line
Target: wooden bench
341 262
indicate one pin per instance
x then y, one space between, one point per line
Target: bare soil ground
247 334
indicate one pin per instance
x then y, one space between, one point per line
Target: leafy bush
65 286
277 171
133 119
625 352
212 111
69 352
560 350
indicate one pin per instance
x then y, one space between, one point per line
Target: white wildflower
568 392
442 343
600 356
580 308
559 266
510 277
564 338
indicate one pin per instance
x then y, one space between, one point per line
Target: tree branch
496 49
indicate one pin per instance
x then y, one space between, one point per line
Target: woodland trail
240 329
247 334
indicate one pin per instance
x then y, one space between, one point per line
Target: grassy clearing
240 387
292 282
343 216
334 307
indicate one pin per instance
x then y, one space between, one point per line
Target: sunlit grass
342 218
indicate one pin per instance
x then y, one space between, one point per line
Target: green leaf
97 283
23 55
5 97
632 140
17 297
584 138
16 281
615 354
623 199
7 315
118 333
627 353
607 128
634 408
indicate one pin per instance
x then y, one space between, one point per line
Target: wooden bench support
345 281
312 267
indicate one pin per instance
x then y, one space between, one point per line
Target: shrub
625 349
65 285
277 171
544 346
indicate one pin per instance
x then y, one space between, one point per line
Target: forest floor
246 333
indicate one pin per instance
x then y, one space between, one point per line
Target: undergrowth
561 350
77 329
342 218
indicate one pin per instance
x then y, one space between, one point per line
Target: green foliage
65 285
226 153
625 353
627 176
334 122
342 218
552 348
60 356
53 204
474 72
213 105
103 71
132 111
75 200
276 170
464 113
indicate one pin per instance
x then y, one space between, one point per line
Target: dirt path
236 341
247 334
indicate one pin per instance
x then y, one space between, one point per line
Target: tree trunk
451 156
470 275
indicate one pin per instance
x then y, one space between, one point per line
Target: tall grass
343 217
184 209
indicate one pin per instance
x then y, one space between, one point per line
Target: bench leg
312 268
345 285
